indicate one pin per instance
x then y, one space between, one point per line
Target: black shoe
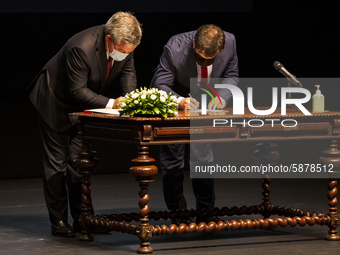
177 222
62 229
207 219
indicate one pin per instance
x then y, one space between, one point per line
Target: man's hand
117 102
219 106
188 103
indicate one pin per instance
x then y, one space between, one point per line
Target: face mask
117 55
203 61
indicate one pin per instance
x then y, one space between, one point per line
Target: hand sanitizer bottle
318 101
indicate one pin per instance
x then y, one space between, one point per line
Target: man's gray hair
123 26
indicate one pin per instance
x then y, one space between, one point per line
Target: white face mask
117 55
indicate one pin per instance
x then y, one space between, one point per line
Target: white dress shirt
199 75
111 100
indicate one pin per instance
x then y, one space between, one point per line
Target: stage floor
25 227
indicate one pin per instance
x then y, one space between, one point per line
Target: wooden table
192 127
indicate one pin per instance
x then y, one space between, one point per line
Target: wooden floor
25 228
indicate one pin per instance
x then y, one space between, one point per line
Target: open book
104 111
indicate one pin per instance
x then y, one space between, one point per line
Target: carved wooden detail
267 223
332 156
336 126
148 134
85 163
143 172
266 154
145 131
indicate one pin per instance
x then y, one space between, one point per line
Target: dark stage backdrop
100 6
302 38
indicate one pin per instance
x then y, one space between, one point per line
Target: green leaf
156 110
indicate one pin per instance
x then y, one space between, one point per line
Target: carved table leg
266 154
85 163
332 156
143 173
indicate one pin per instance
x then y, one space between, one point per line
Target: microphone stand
293 106
278 67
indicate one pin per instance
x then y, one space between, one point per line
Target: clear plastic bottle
318 101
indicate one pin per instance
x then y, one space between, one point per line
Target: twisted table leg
247 224
332 156
266 154
85 163
143 173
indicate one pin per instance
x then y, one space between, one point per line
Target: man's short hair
123 26
209 40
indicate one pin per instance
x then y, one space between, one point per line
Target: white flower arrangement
149 101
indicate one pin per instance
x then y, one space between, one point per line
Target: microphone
279 67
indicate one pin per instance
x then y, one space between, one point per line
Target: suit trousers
61 182
172 166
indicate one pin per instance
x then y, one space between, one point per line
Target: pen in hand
194 104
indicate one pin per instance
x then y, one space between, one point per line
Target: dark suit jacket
74 79
177 65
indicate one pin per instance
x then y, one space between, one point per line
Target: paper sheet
104 111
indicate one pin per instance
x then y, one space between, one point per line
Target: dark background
303 37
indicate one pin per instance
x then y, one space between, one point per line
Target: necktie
109 65
204 72
204 75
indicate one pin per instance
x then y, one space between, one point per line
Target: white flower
139 99
163 93
135 95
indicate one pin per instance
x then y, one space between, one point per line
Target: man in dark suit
73 80
206 53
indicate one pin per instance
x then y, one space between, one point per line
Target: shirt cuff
110 104
179 100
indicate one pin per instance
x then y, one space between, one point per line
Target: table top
227 113
188 127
